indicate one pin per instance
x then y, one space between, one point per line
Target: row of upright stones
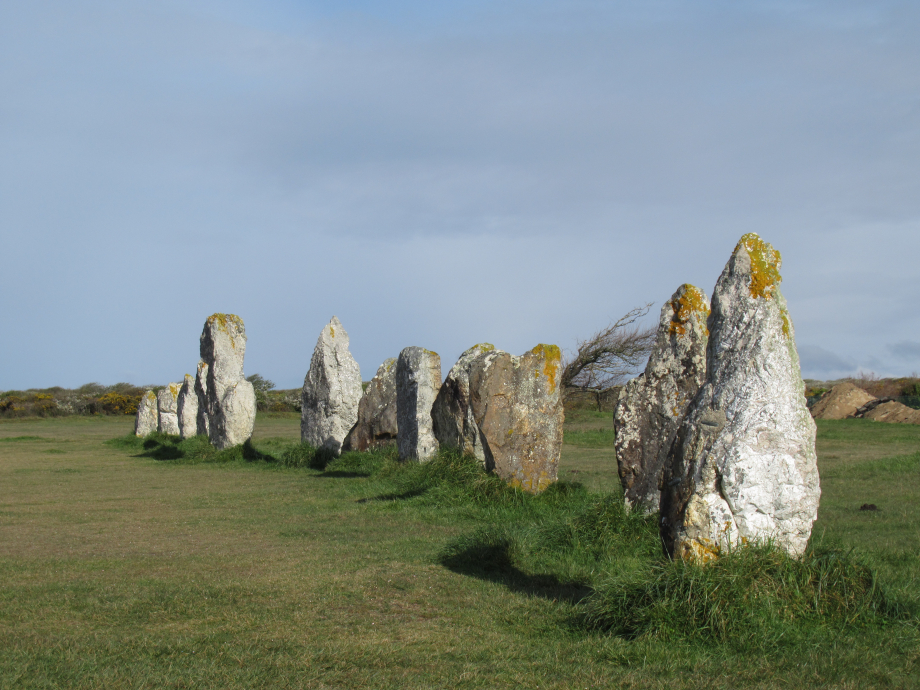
218 402
716 434
505 411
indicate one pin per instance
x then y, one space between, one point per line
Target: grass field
121 570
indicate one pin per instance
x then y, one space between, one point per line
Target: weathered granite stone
187 408
167 408
452 413
418 378
331 391
201 392
376 425
147 417
842 401
743 466
893 412
231 398
652 405
517 406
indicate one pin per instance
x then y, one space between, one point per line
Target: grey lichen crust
187 408
231 399
652 405
376 425
418 378
167 409
331 391
743 467
146 420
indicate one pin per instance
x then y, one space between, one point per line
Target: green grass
162 563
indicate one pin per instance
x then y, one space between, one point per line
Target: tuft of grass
755 595
18 439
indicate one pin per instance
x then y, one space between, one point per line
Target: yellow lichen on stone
485 347
765 265
174 390
552 356
222 320
331 332
693 301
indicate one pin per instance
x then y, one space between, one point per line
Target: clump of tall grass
756 594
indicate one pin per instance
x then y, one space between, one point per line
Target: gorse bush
89 399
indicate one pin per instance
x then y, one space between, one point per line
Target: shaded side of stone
452 413
201 392
331 391
376 425
187 408
147 418
652 405
418 378
517 405
231 398
743 467
167 409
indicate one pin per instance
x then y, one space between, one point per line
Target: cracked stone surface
418 379
743 467
331 391
231 398
652 405
376 425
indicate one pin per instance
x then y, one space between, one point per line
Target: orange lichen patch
552 356
765 265
691 302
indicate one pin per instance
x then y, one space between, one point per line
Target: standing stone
376 425
452 414
231 398
167 410
517 405
743 467
201 392
187 408
331 391
653 404
418 378
841 402
147 418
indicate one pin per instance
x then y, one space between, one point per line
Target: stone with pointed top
331 391
146 420
231 398
376 425
167 409
187 408
652 405
743 467
418 378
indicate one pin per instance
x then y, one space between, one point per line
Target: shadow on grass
493 561
403 496
344 474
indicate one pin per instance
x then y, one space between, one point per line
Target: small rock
842 401
187 408
418 378
376 425
743 467
652 405
167 410
147 418
331 391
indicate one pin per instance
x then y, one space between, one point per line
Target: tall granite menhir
376 425
331 391
187 408
167 409
743 467
653 404
231 398
203 424
418 378
146 420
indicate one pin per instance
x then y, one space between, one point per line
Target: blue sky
441 174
